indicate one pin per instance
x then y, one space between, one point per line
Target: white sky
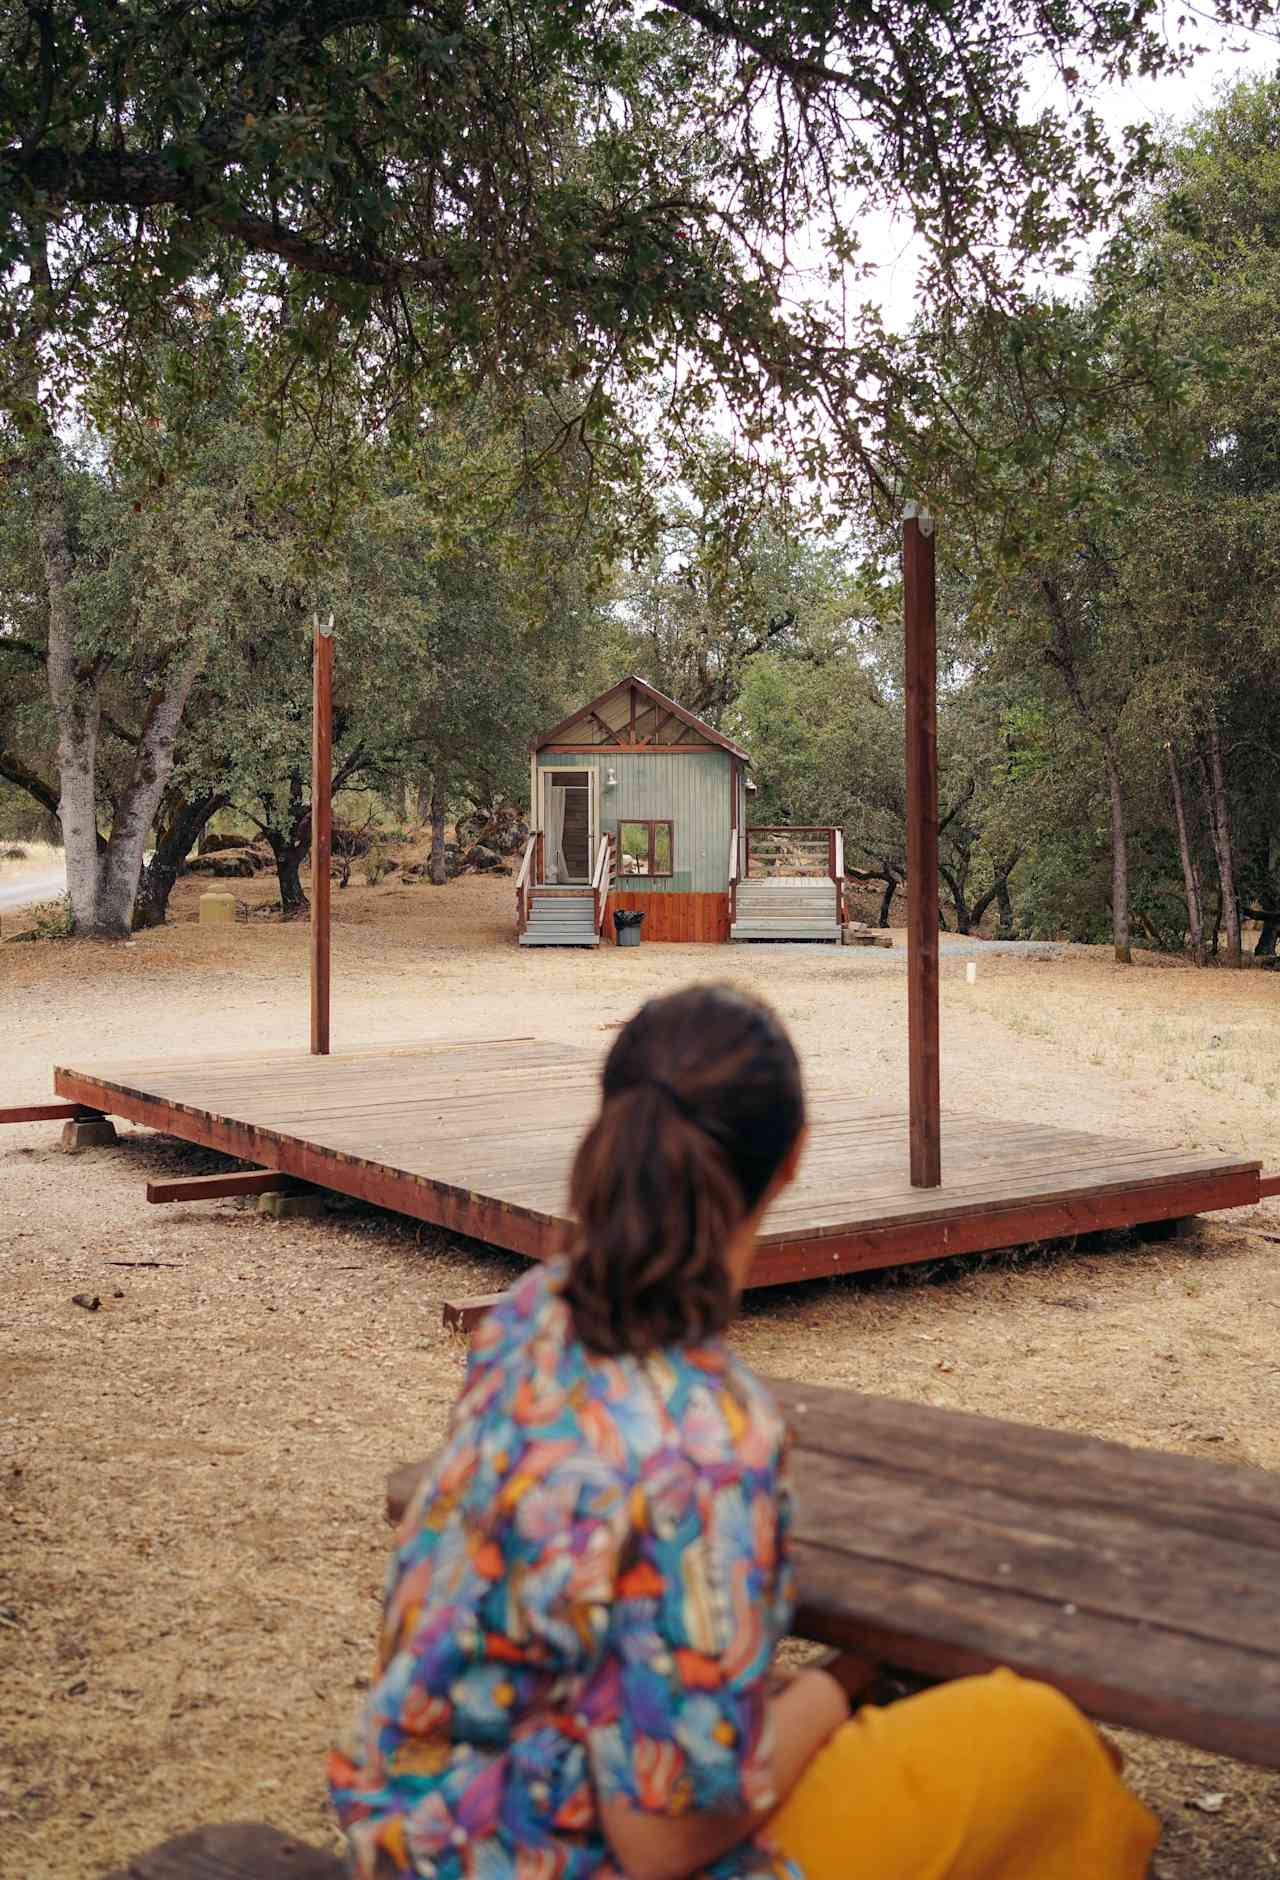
1231 57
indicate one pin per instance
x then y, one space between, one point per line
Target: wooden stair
561 917
787 907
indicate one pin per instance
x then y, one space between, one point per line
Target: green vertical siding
691 790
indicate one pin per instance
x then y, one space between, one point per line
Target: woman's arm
670 1847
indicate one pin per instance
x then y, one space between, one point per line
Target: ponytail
702 1101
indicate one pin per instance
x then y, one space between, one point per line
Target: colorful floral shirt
584 1598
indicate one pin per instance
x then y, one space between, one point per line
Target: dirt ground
191 1477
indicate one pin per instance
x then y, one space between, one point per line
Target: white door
569 823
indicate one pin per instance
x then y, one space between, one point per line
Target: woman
575 1658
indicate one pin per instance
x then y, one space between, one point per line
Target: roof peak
653 698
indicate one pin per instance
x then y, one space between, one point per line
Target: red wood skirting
779 1262
674 917
538 1236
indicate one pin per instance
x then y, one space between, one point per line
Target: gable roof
640 702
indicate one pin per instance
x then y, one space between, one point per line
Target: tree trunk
423 803
959 901
176 836
289 841
1119 857
1266 947
1005 906
1190 873
439 873
73 683
121 865
76 707
886 901
102 879
1061 655
289 856
1220 830
999 893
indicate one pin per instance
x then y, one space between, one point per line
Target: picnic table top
1144 1585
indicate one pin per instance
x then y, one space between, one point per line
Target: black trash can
627 922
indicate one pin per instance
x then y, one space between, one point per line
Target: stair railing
523 884
602 880
790 849
838 870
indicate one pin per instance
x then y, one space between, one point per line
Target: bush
14 852
51 920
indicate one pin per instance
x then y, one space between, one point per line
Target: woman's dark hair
701 1102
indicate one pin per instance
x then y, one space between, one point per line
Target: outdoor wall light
611 780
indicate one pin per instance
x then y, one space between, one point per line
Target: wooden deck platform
478 1137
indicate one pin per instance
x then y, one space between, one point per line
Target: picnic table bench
1145 1586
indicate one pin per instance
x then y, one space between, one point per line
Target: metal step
790 930
786 900
747 891
769 909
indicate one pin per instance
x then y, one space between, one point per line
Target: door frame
546 773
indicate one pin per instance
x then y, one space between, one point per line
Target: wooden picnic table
1144 1585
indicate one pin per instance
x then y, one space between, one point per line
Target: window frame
652 824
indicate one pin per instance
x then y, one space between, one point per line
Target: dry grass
27 858
193 1473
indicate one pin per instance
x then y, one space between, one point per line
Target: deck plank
459 1133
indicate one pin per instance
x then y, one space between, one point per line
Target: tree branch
14 771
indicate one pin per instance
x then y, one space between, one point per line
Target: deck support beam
48 1113
255 1181
463 1315
920 609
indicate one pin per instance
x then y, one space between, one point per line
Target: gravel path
29 889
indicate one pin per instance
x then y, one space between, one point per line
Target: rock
349 841
210 844
481 859
502 828
228 864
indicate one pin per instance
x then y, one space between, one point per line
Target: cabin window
646 848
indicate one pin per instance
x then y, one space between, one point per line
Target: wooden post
321 830
920 605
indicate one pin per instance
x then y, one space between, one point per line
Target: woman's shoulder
531 1308
727 1415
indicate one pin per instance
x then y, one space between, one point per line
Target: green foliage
433 194
50 920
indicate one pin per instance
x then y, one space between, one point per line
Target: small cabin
637 803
